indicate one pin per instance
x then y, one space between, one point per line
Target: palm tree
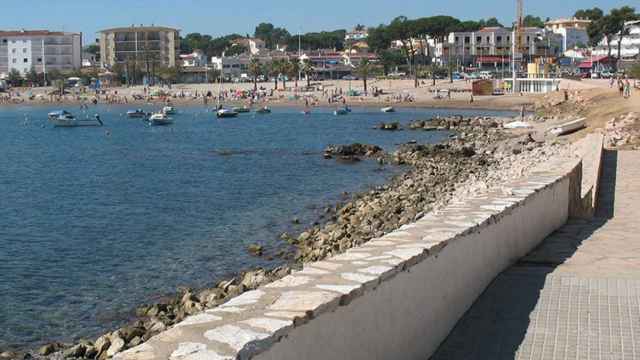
307 70
293 70
364 68
283 70
255 70
274 71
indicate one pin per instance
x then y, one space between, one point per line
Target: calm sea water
95 221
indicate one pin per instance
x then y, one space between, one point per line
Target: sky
219 17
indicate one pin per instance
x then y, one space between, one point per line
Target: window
13 51
457 39
478 38
14 61
499 39
25 60
4 41
39 60
24 50
467 39
488 39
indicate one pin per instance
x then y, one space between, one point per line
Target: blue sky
217 17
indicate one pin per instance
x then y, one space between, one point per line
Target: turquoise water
95 221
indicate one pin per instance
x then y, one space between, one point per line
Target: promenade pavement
577 296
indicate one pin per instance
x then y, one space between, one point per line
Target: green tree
15 78
293 70
93 49
594 30
404 30
274 71
533 21
255 70
32 77
379 39
390 59
307 70
634 72
618 19
363 70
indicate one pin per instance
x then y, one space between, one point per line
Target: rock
102 344
49 349
253 279
90 352
9 355
154 326
74 351
129 332
211 297
117 345
255 249
135 342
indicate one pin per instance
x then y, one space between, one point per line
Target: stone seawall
397 296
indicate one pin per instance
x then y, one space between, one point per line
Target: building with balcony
40 50
629 45
573 32
144 45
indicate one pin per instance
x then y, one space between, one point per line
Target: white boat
226 113
159 119
139 113
64 118
388 109
568 127
169 110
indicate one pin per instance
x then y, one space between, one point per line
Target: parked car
595 75
486 75
606 74
349 77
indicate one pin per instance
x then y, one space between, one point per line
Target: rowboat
63 118
388 109
160 119
226 113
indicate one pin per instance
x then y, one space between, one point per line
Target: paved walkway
575 297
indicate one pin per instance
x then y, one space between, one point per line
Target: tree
390 59
634 72
168 74
404 30
293 70
32 77
93 49
15 78
307 70
264 32
618 19
364 68
533 21
378 39
236 49
274 71
255 70
594 30
490 22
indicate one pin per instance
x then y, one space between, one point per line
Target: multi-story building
573 32
356 35
40 50
494 45
143 45
196 59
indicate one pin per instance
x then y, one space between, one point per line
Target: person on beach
620 87
627 89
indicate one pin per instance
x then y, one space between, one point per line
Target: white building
573 32
40 50
356 35
255 46
196 59
630 46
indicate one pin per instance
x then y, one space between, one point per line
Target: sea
95 221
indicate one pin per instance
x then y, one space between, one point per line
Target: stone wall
590 150
394 297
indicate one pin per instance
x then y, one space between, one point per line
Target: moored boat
139 113
388 109
226 113
159 119
169 110
63 118
339 112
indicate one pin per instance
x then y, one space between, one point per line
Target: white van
486 75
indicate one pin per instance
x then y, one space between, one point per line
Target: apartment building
40 50
573 32
143 45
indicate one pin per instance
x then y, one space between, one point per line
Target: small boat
388 109
568 127
263 110
339 112
241 109
226 113
306 112
169 110
159 119
139 113
63 118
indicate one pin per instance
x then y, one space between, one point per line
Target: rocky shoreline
479 156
